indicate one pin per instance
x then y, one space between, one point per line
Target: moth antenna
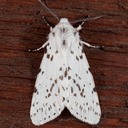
86 19
53 14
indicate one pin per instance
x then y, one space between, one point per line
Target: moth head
64 20
64 32
63 28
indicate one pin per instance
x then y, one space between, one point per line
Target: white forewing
47 97
64 79
83 99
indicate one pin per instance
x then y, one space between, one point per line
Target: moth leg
48 23
86 19
34 50
92 46
80 22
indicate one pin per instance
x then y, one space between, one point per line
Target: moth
64 80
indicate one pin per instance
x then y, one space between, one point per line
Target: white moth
64 79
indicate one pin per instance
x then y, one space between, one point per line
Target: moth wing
47 101
83 98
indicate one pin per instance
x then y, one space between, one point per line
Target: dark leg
48 23
34 50
92 46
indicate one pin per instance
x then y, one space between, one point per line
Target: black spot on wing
56 52
69 77
60 69
78 87
80 44
63 99
75 94
69 68
80 107
82 93
55 81
75 33
56 94
94 89
90 108
79 78
96 113
52 58
72 52
52 87
71 89
61 77
35 90
49 95
65 73
81 57
39 70
54 105
77 58
48 56
63 88
76 103
42 109
74 81
58 90
76 75
53 33
97 104
64 42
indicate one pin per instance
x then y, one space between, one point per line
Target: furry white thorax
64 33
